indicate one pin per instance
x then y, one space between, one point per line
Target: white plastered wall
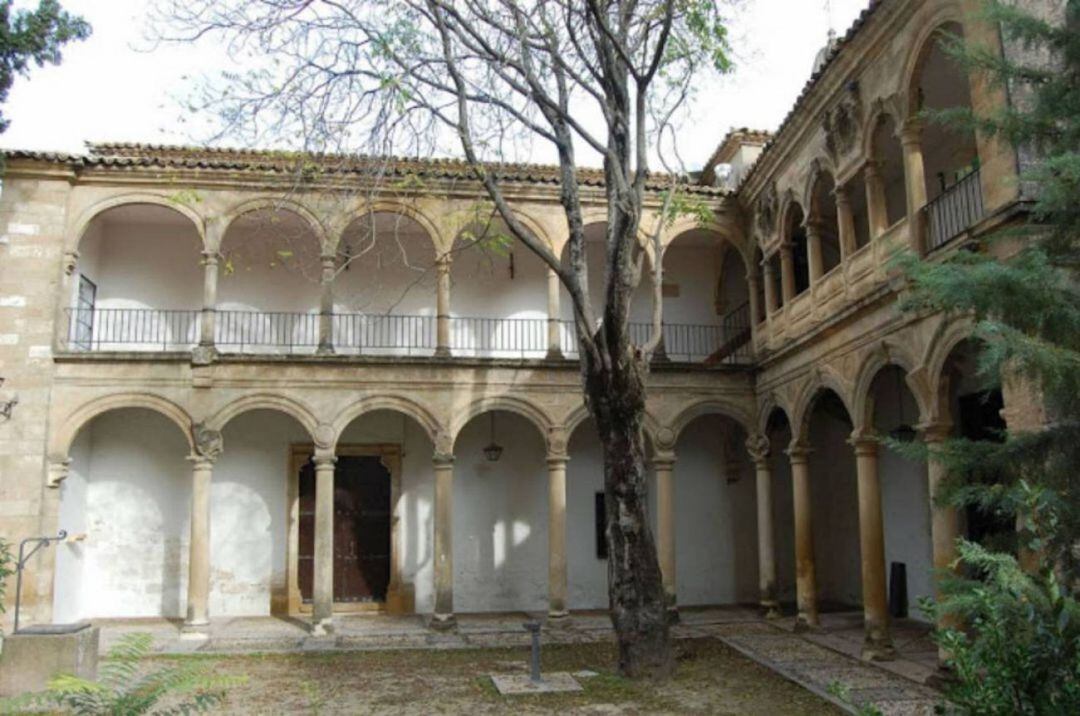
586 573
835 511
129 492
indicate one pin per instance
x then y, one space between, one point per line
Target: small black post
898 603
534 629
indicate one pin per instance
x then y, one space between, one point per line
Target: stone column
877 645
322 611
557 536
326 306
206 351
554 351
663 466
444 551
876 210
758 447
756 315
442 307
846 220
787 272
944 525
805 575
915 182
813 252
771 304
197 622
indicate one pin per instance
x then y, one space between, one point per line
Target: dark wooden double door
361 529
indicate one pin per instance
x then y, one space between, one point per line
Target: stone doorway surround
399 597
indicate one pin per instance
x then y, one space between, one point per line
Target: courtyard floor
380 663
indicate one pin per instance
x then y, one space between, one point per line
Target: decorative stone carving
203 355
665 439
58 469
758 446
208 442
767 207
71 260
324 436
842 122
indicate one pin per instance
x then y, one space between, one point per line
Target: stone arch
885 354
523 408
276 204
266 401
821 166
408 407
880 111
61 439
949 335
82 223
821 380
710 406
931 22
387 206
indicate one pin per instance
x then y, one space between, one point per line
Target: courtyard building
252 384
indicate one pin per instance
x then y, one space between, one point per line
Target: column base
443 352
805 624
878 650
770 610
195 631
322 627
554 354
558 617
324 350
443 622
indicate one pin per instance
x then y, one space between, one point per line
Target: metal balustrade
957 209
255 332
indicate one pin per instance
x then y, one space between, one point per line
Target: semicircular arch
510 404
292 206
82 223
395 403
60 441
710 406
266 401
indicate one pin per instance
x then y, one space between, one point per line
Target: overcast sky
111 88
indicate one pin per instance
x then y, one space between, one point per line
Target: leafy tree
497 78
33 36
1019 648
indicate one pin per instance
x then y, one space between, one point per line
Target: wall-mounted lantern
494 450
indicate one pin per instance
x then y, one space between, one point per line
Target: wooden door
361 530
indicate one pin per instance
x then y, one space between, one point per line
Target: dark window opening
601 526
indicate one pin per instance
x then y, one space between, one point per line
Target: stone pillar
326 306
877 645
944 525
771 303
805 575
787 272
198 589
444 551
756 315
554 351
876 209
557 537
206 350
915 183
322 611
813 252
442 307
663 466
846 221
758 447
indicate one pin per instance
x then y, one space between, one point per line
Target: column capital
443 261
71 260
200 462
798 452
324 459
663 460
210 258
864 442
911 132
328 262
786 248
442 459
759 447
841 196
557 460
935 432
871 170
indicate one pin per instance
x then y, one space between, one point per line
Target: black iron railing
144 329
957 209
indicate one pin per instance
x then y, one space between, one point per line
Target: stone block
34 655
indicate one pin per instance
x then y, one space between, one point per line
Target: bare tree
499 78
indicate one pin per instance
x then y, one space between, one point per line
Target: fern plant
125 688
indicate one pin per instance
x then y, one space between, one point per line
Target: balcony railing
957 209
252 332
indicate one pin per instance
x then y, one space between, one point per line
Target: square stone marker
512 684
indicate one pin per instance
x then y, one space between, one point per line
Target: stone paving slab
515 684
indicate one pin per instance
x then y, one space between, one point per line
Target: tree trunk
615 397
